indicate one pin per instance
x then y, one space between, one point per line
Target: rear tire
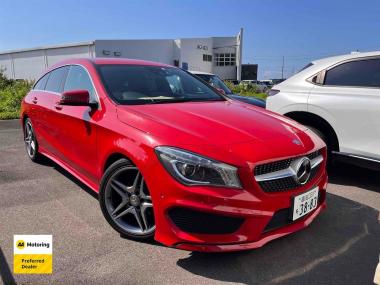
31 143
125 201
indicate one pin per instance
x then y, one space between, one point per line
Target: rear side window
40 85
54 82
78 79
360 73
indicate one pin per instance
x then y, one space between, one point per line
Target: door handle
34 100
58 106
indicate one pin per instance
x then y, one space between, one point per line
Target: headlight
192 169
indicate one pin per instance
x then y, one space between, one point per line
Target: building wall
225 72
56 55
153 50
29 64
32 63
225 45
193 55
6 65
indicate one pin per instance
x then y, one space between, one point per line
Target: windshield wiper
182 100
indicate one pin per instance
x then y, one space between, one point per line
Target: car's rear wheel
30 140
125 201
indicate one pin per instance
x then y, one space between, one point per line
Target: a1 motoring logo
33 254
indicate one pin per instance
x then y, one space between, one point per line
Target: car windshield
141 84
215 81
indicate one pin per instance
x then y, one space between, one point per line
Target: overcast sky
298 30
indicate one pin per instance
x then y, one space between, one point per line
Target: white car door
349 100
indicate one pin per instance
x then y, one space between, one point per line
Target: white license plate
305 203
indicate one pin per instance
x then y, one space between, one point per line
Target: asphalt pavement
341 246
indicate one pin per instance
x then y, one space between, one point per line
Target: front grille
272 167
192 221
281 164
283 184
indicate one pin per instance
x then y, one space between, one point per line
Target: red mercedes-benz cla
173 159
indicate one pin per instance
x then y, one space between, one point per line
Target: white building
219 55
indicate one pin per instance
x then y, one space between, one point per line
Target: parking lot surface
340 247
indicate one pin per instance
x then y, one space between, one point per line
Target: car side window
78 79
40 85
358 73
56 77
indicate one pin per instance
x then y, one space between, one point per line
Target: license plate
305 203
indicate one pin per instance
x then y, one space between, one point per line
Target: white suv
338 98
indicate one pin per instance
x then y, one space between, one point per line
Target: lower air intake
197 222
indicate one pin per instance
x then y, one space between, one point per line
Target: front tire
125 201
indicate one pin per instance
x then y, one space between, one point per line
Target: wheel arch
112 158
313 120
23 118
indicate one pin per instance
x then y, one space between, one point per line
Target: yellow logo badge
20 244
33 254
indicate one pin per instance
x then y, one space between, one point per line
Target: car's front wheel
125 201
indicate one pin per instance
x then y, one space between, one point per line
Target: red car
173 159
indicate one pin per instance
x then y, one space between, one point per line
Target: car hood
209 123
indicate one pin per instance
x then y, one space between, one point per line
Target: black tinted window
364 73
78 79
130 84
40 85
54 82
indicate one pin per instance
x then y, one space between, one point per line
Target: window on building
207 57
78 79
365 73
54 82
225 59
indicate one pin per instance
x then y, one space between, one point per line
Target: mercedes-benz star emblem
302 170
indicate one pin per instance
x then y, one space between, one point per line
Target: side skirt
72 171
362 161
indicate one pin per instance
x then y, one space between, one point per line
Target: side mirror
76 98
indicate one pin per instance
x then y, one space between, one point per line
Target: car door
77 126
36 112
349 99
47 131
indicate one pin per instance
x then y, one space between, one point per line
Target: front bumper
251 205
264 239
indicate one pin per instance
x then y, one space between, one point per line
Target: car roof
338 58
104 61
100 61
324 63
